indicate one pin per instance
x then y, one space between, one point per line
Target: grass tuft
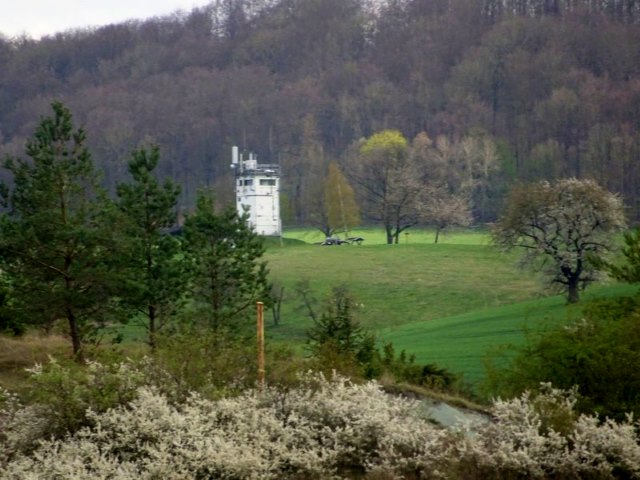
19 353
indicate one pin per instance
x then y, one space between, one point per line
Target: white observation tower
258 193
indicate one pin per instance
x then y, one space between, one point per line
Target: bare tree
445 186
442 209
478 162
386 180
277 295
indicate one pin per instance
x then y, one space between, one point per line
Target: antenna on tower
234 155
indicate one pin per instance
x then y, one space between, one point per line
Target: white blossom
324 428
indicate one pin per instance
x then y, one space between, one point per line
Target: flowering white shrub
316 431
365 428
21 427
541 437
61 396
605 447
325 429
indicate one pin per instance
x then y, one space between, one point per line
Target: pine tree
155 270
227 274
338 341
56 237
337 325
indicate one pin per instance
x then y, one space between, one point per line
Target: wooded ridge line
555 86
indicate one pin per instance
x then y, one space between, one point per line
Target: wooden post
260 325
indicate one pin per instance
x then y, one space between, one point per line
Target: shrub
316 431
404 369
337 342
216 364
61 398
540 436
600 354
322 429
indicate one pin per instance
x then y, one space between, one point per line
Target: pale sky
43 17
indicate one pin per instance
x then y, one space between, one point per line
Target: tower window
271 182
248 183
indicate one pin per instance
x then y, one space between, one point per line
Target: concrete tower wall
258 193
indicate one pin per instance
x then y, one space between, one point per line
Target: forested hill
556 83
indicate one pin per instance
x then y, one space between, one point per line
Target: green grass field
462 343
399 284
448 303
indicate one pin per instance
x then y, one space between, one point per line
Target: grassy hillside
462 342
399 284
447 303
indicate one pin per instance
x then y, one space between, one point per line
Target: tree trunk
573 294
389 235
152 327
277 305
437 235
75 336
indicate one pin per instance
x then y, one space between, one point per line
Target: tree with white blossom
563 227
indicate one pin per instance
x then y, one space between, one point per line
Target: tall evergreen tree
156 274
56 237
228 275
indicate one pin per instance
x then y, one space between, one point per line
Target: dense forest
554 84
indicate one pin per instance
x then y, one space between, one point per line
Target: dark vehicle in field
339 241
